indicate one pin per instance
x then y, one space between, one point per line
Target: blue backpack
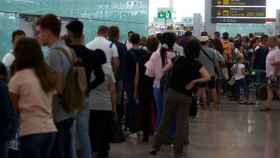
9 117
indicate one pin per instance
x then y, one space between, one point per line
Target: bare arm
113 91
167 68
115 63
204 78
60 83
276 63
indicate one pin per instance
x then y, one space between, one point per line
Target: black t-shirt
183 72
122 51
132 58
260 60
145 82
92 61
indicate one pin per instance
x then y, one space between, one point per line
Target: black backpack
10 117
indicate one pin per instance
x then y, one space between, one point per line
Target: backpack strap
111 45
69 55
211 60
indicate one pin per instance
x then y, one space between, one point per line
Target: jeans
177 104
82 126
3 150
63 143
37 145
241 84
159 100
131 107
159 105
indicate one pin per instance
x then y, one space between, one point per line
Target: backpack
122 51
75 84
11 118
228 50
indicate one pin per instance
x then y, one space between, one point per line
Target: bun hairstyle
168 40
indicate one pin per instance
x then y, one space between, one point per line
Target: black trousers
144 117
100 131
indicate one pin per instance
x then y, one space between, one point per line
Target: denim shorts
274 83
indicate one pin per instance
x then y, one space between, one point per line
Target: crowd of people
83 97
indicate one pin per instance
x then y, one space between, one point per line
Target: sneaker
133 135
265 110
154 152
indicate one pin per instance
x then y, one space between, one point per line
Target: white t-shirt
179 50
105 45
273 56
8 59
100 97
109 49
237 71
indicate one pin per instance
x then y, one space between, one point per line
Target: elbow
207 78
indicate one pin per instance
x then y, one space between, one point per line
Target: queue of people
74 102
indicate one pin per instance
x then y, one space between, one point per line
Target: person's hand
273 78
190 85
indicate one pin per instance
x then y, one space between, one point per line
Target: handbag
231 82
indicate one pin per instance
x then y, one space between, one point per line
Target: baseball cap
204 39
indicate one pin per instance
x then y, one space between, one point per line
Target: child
239 74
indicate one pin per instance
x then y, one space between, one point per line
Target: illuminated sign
238 20
239 2
238 12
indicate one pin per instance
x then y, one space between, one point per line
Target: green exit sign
164 14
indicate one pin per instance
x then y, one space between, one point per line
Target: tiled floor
237 131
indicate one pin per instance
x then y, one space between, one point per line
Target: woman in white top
239 73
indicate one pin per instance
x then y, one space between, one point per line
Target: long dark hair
218 45
28 54
192 49
168 40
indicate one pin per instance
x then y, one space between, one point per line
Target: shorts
210 84
273 83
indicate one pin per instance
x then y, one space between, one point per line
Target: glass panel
8 24
127 14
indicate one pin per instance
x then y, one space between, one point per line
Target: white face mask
45 51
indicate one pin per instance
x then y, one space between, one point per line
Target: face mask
45 51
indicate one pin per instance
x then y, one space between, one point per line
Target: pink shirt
35 106
273 56
154 67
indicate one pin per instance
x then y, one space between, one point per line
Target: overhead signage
239 20
239 2
238 12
